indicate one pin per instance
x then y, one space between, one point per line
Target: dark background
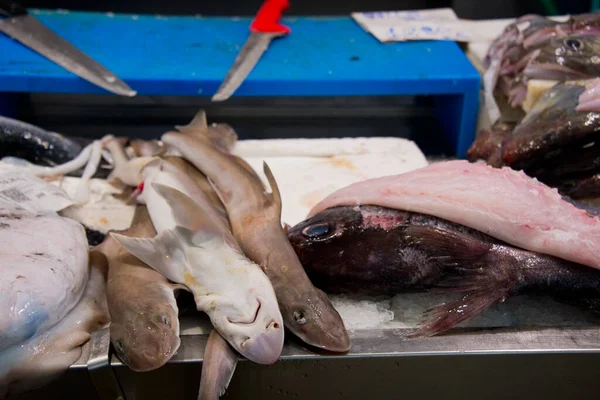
475 9
410 117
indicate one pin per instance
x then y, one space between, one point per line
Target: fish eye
317 230
165 320
299 317
574 44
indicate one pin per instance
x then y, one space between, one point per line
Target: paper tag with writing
32 193
436 24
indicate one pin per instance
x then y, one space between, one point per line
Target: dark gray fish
380 251
573 161
551 124
19 139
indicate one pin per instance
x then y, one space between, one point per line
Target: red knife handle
267 18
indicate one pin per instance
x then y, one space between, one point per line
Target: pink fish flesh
501 202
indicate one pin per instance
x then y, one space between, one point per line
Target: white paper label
436 24
32 193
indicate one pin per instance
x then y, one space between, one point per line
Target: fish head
572 57
324 229
146 336
243 308
312 318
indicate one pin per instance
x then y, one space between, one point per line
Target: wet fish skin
255 217
44 264
575 57
551 123
488 144
19 139
573 161
144 328
45 357
382 251
194 247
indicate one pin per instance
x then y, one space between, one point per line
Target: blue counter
159 55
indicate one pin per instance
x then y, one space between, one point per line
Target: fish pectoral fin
448 247
275 195
218 367
196 239
471 267
161 253
186 212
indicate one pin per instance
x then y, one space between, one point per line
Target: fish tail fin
218 367
161 252
275 193
471 267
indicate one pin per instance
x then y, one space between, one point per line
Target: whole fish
144 328
44 357
195 247
382 251
22 140
255 217
44 260
500 202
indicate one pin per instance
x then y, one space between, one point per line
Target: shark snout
266 346
260 340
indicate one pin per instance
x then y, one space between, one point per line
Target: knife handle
267 18
11 9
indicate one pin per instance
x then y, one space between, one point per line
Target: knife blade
23 27
264 28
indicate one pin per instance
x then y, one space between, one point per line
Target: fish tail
470 266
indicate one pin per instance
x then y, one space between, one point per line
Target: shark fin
161 252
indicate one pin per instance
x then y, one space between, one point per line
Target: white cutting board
308 170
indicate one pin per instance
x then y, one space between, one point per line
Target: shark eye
299 317
315 231
574 44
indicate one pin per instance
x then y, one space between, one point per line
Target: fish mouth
263 337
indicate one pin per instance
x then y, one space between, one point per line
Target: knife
17 23
264 28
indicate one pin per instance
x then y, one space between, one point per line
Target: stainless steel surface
554 363
29 31
245 61
99 367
